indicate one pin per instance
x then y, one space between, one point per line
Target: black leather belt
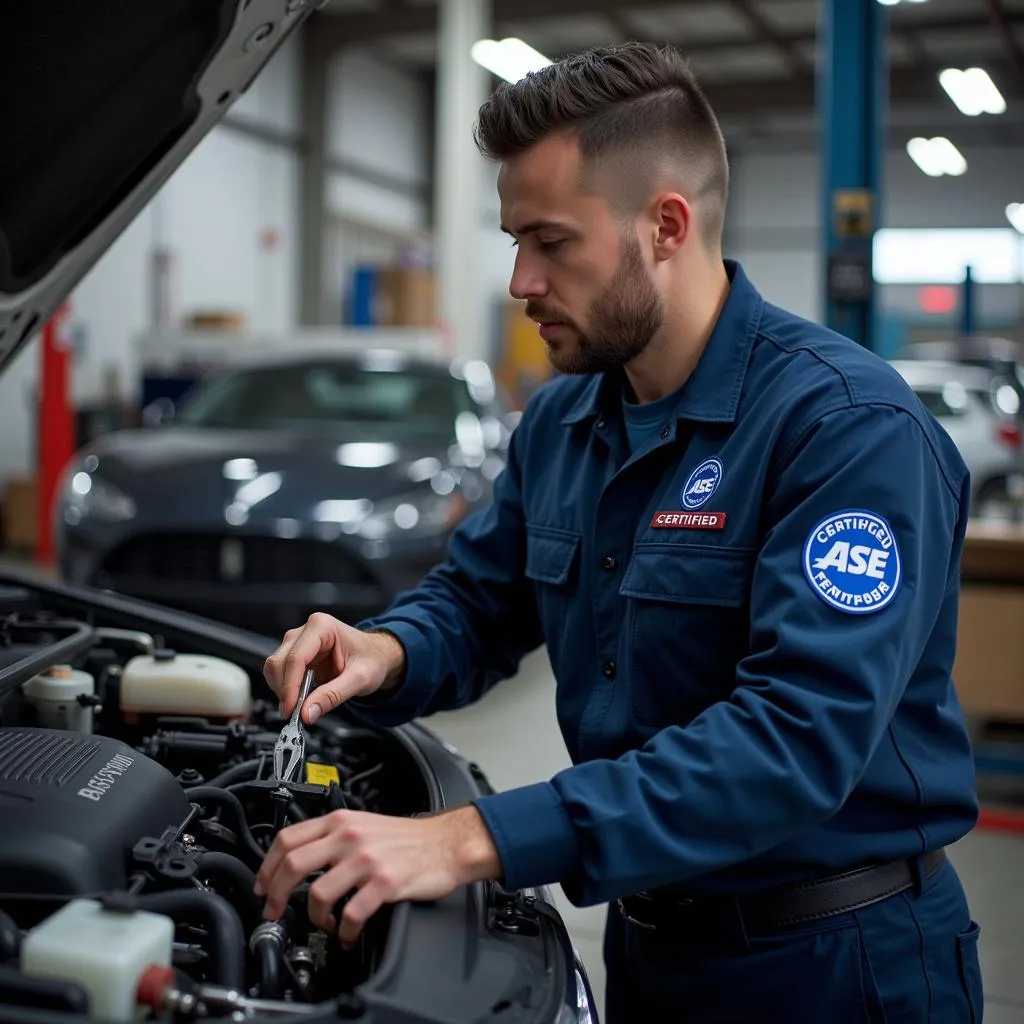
765 912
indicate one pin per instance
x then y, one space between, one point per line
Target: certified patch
701 485
853 562
688 521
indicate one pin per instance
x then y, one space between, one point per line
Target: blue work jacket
751 619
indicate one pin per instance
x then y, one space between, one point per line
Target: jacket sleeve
814 694
470 621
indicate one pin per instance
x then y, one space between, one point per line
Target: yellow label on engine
322 774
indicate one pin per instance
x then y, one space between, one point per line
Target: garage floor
512 733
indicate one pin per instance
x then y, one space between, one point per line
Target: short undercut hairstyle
640 118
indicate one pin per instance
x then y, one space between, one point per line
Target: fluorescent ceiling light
1015 215
973 91
511 59
936 156
893 3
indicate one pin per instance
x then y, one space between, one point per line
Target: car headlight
423 514
87 496
414 515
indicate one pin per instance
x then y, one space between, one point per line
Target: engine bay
136 804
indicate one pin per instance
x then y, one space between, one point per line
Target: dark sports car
136 790
308 483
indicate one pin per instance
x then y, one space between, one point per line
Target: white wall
377 191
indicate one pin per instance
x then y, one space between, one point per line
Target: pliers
290 748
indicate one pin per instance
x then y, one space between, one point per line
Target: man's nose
525 282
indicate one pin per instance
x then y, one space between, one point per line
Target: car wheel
995 499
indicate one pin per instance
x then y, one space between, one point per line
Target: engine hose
239 876
10 939
269 954
226 935
243 772
231 803
296 812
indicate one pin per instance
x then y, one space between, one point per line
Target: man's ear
672 220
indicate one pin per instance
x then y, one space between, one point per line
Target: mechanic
738 535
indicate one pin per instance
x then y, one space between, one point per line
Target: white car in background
980 410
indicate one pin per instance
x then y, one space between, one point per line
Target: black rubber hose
230 803
296 812
244 772
269 955
239 876
226 935
10 939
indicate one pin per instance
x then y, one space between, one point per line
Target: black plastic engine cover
72 807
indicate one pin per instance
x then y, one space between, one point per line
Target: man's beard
623 320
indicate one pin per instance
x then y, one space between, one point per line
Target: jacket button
664 433
608 669
608 563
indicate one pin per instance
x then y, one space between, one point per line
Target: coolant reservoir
54 694
167 683
105 951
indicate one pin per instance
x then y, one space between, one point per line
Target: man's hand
348 663
385 859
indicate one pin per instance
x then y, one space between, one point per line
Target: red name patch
688 520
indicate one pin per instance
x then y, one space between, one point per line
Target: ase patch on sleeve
852 561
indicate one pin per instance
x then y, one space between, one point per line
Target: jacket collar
712 393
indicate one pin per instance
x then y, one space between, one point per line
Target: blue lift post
853 93
967 304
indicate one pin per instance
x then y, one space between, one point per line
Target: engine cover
72 807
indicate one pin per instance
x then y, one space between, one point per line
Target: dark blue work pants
910 959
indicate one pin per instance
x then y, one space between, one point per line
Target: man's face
581 273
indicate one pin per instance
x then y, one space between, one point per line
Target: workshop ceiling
757 59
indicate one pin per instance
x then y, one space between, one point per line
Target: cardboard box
19 514
405 298
989 668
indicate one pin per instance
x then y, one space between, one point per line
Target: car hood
213 465
120 94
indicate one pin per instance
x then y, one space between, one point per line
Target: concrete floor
513 735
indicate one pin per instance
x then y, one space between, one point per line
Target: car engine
136 804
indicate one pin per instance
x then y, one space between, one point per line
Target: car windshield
327 396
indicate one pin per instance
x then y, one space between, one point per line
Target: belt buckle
636 922
632 920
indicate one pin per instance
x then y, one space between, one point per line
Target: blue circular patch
852 561
702 483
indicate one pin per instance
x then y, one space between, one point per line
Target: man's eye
551 246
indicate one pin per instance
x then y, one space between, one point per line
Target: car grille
218 558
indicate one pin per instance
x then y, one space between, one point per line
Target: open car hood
103 101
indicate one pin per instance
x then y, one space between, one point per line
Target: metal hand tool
290 748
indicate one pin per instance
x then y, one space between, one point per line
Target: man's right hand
348 663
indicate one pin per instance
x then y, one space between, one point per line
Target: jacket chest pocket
550 557
688 625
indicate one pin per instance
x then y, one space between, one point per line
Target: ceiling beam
1001 23
335 31
970 135
916 85
767 32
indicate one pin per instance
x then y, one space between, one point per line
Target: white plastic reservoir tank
104 951
168 683
54 694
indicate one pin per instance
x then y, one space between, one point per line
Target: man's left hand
384 859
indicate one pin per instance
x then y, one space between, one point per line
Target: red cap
155 981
